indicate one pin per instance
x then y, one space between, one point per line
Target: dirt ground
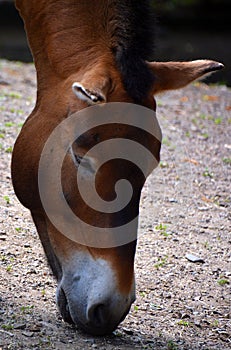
185 209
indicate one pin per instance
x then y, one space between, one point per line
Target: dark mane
135 43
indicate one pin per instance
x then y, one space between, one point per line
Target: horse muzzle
90 298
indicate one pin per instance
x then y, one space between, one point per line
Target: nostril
98 315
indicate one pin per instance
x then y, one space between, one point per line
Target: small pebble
19 325
128 331
194 258
28 334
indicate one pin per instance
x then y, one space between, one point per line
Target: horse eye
86 162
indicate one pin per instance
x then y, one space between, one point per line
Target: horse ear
94 87
175 75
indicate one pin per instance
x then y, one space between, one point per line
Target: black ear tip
213 67
216 66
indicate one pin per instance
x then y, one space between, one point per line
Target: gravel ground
185 209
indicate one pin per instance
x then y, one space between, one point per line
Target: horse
91 54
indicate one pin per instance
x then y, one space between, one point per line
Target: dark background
186 29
